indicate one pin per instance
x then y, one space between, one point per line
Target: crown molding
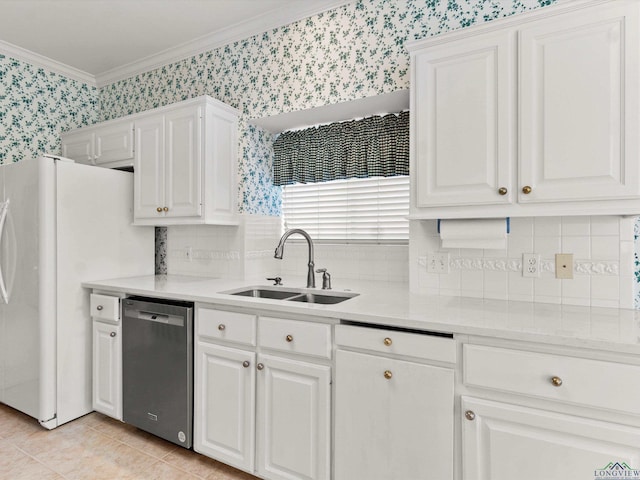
41 61
238 31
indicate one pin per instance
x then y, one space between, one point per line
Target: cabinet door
294 420
78 146
114 143
579 105
504 442
107 369
463 122
395 428
183 162
149 168
224 410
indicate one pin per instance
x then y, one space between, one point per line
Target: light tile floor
96 447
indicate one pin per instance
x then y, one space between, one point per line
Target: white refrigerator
61 223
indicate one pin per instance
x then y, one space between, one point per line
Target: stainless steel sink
321 298
293 295
278 294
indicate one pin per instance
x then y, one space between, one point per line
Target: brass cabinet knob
556 381
289 338
159 209
99 307
112 334
246 364
388 374
260 366
221 327
470 415
166 209
388 342
526 189
503 191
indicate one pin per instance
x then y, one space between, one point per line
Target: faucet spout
311 279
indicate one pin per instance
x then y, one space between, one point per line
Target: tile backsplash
246 252
602 248
239 252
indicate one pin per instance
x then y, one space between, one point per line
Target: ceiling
105 40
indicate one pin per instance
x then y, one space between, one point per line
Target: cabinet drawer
229 326
381 340
574 380
295 336
105 307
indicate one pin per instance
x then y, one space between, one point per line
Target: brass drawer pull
221 327
470 415
388 374
388 342
503 191
526 189
556 381
289 338
246 364
260 366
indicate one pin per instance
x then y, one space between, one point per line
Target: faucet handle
277 280
326 278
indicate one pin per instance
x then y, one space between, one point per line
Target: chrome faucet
311 278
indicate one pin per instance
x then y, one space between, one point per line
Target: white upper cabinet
106 145
184 157
79 146
535 114
463 121
114 143
579 105
185 164
149 167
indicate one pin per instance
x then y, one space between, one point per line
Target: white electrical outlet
530 265
438 263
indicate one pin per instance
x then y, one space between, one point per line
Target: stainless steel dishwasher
157 367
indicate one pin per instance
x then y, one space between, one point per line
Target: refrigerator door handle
4 209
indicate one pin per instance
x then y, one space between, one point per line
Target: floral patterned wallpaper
36 105
350 52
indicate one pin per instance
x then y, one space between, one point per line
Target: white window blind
350 211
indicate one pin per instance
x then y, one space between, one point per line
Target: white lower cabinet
503 441
394 418
294 419
107 355
107 369
225 404
555 414
266 413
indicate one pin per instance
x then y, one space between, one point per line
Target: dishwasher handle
155 317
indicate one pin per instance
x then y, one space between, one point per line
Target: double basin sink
292 295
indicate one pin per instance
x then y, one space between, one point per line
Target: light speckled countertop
392 304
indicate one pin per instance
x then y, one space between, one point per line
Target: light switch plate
564 265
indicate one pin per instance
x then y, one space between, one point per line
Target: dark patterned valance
371 147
